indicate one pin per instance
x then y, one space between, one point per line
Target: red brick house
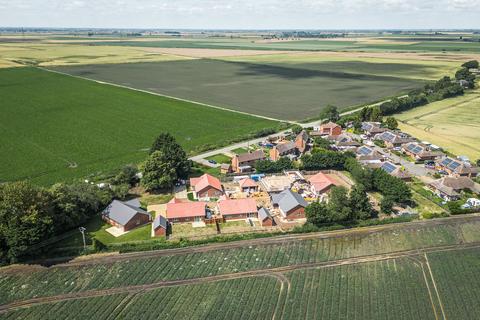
238 209
246 161
159 226
290 204
126 215
282 149
265 217
330 129
301 141
206 187
184 212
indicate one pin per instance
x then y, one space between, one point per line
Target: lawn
240 150
58 128
452 124
283 91
220 158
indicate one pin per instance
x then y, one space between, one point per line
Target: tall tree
159 172
173 153
317 213
359 203
391 123
338 204
330 113
25 218
128 175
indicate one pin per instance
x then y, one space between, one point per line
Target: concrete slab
116 232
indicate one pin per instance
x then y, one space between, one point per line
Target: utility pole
82 231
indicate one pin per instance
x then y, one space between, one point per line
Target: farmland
451 124
287 91
385 270
56 128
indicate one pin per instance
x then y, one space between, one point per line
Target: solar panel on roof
446 161
364 150
454 165
417 149
388 167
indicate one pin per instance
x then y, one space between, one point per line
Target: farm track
253 242
276 272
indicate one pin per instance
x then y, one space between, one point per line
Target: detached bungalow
126 215
456 167
372 128
393 140
321 183
159 226
290 204
238 209
206 187
449 188
419 152
282 149
180 212
265 217
366 154
245 161
395 171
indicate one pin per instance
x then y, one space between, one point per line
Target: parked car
212 161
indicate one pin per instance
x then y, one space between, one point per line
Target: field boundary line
421 264
168 96
435 287
231 276
88 260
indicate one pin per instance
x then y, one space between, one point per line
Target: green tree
338 204
376 114
159 172
128 176
76 203
297 129
174 154
387 205
473 64
25 218
317 214
330 113
359 203
391 123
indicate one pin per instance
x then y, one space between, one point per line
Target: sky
242 14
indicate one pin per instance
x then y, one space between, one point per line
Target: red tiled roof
329 125
237 206
205 181
247 183
176 200
321 181
186 209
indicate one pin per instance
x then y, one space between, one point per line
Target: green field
452 124
278 90
55 127
360 274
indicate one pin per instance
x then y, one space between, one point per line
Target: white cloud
242 13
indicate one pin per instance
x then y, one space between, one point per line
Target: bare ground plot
287 92
452 124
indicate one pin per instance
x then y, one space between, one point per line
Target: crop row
248 298
58 280
456 277
393 289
